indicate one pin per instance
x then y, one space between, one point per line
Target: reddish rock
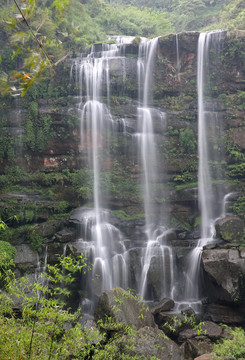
204 357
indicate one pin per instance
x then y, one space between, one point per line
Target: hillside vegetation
53 30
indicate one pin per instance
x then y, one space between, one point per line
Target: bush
187 140
231 349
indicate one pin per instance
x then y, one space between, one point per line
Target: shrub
231 349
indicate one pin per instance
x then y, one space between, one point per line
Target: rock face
123 307
224 314
230 228
224 274
25 256
41 151
151 342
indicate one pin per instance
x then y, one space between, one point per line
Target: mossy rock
230 229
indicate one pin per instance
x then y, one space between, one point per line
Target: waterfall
40 271
210 199
177 55
103 242
156 249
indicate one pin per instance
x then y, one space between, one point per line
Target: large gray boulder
149 342
230 228
25 256
224 275
124 308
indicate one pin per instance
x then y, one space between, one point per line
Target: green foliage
131 20
40 331
122 215
7 255
34 239
239 206
175 323
187 140
231 349
38 129
236 170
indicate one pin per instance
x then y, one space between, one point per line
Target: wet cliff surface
45 174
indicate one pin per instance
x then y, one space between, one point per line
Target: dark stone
223 314
188 312
224 271
48 229
164 305
65 236
193 348
209 329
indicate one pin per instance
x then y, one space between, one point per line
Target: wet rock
171 324
230 228
65 236
208 329
154 281
238 136
135 265
224 274
48 229
223 314
242 253
165 304
194 347
189 312
54 250
150 342
123 307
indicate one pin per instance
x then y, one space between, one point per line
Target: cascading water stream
103 242
210 202
156 247
40 271
177 55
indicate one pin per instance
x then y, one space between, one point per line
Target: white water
156 247
103 241
177 55
40 271
208 199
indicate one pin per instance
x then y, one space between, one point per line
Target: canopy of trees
38 34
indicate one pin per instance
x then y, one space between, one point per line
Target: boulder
150 342
171 323
165 304
65 236
25 256
224 275
211 331
124 308
223 314
230 228
48 228
193 347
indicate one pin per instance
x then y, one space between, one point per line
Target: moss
122 215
